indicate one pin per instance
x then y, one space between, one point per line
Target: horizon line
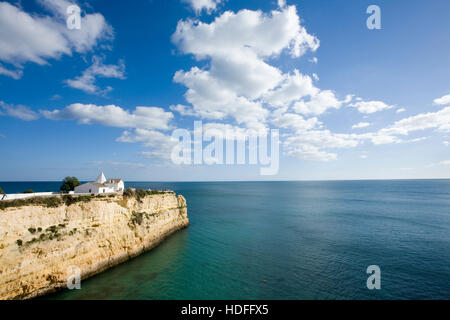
203 181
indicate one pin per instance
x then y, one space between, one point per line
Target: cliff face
40 246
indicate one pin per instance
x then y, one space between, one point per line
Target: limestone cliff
40 244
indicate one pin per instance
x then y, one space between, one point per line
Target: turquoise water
307 240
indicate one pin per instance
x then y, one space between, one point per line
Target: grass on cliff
48 202
140 194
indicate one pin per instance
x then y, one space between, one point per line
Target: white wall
90 188
116 187
28 195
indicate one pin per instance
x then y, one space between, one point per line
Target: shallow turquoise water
307 240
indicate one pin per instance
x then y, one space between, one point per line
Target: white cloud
401 110
308 145
443 100
86 82
442 163
309 152
244 32
361 125
136 165
293 121
143 117
239 77
15 74
213 101
294 87
36 38
282 3
55 97
318 104
160 144
433 120
183 110
19 111
199 5
369 107
326 139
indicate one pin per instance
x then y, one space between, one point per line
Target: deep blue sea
290 240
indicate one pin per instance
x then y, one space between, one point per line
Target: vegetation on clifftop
68 200
48 202
139 194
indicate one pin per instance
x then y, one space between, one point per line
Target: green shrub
128 193
52 229
19 242
28 191
70 200
1 191
32 230
139 194
137 218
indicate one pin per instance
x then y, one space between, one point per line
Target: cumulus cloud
26 37
318 104
183 110
401 110
160 144
361 125
294 87
243 32
86 82
143 117
240 84
443 100
199 5
211 100
294 121
21 112
239 78
369 107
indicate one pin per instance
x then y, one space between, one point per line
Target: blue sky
350 103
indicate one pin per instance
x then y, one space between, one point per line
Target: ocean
289 240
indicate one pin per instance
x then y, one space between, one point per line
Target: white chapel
102 185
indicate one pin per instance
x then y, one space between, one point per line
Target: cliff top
59 200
